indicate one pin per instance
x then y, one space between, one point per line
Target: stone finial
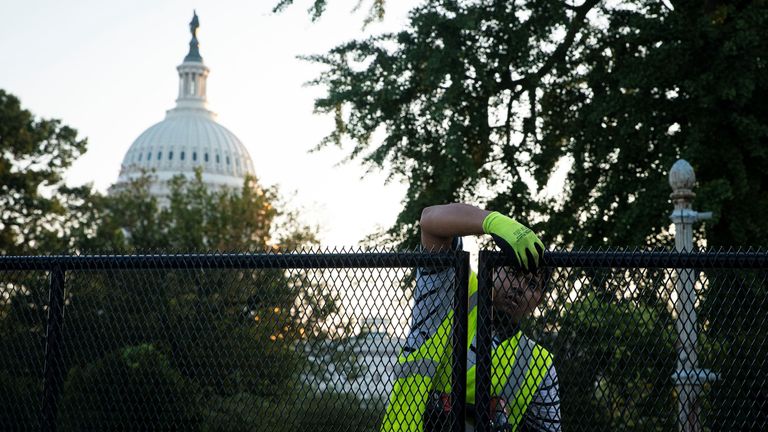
681 176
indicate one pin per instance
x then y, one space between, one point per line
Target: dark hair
545 274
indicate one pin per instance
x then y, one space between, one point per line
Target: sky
108 69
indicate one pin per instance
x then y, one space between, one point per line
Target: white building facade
373 356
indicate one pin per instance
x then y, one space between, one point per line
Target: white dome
189 138
184 141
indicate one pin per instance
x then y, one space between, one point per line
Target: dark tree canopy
479 100
317 8
195 218
34 153
651 86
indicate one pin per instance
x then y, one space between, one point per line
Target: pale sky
108 69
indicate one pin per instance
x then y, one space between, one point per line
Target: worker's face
516 294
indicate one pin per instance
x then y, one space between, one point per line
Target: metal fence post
484 338
53 371
688 377
460 318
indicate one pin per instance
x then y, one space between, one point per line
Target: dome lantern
193 76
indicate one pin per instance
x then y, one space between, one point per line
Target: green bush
615 361
244 412
133 388
297 412
332 412
20 398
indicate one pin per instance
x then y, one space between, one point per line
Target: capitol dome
187 139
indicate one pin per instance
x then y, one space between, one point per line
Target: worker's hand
515 239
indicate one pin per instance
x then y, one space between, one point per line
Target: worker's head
516 294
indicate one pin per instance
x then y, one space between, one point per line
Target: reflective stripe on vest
422 367
537 366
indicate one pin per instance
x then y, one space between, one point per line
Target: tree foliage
614 351
34 153
194 218
109 387
484 101
317 8
652 85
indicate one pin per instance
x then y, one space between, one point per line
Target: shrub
133 388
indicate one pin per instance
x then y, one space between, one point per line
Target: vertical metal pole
688 377
460 307
53 371
484 337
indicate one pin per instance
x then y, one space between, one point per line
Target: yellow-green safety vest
518 366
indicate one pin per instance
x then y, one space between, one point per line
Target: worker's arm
441 223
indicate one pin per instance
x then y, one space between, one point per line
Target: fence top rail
310 260
643 259
595 259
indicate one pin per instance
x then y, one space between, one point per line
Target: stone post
688 377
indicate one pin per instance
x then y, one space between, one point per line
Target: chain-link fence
337 341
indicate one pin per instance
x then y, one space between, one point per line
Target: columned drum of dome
188 138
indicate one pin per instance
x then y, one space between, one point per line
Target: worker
524 386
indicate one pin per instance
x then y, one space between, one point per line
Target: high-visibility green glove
515 239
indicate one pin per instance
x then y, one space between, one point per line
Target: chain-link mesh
23 317
652 341
336 341
275 342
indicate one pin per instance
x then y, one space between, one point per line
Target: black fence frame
57 266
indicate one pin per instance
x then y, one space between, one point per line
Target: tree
193 219
614 348
134 388
35 153
647 87
479 100
231 334
375 12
